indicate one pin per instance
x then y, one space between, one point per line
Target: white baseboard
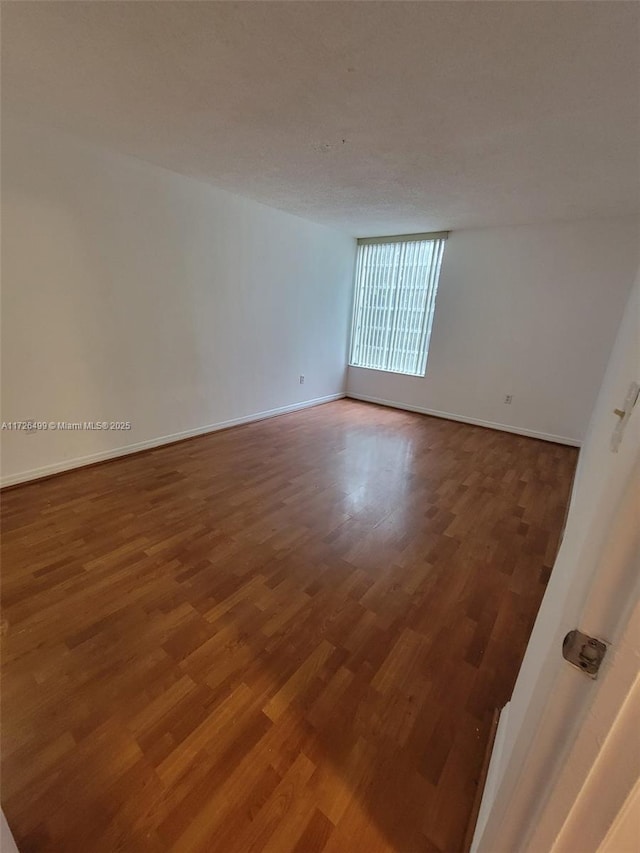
494 777
104 455
530 433
7 844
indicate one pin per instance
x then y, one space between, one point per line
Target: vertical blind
395 294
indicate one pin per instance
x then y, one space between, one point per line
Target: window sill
385 370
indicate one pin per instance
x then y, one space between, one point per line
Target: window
395 296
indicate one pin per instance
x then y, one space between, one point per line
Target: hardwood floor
289 636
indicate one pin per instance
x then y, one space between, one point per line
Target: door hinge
584 652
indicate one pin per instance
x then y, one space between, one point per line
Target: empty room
320 447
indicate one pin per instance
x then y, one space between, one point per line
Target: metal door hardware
633 394
584 652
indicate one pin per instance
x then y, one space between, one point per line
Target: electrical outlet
508 398
301 379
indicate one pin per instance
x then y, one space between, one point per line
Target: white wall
132 293
594 586
530 311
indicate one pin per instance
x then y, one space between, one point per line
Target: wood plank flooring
288 636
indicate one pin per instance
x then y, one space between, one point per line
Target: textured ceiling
371 117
